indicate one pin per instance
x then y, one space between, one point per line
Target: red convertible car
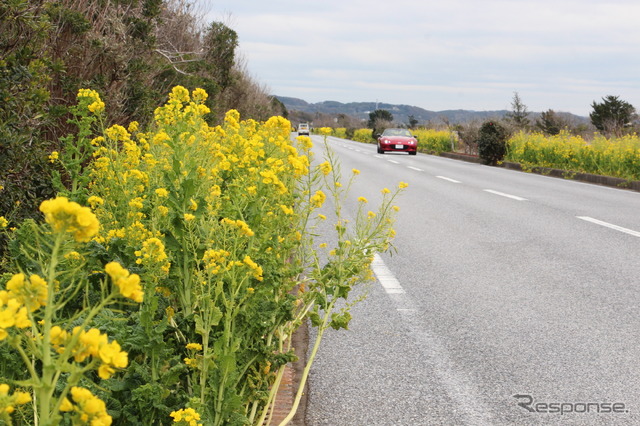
399 140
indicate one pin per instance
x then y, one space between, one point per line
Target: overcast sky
439 55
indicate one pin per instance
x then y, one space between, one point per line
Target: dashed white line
393 161
388 281
610 225
448 179
502 194
415 168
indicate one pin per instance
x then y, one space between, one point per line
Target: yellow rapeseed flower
188 415
32 292
3 222
95 201
67 216
325 168
317 200
128 284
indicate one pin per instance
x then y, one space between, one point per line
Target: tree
492 142
612 115
518 114
550 123
378 119
412 121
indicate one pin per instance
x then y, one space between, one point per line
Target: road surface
513 298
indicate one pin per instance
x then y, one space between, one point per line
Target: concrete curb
609 181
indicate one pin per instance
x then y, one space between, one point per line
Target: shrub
340 132
363 135
435 140
492 142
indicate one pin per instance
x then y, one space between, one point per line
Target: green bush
492 142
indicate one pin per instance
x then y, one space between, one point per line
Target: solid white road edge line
502 194
610 225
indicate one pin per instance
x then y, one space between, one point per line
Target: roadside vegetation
131 51
610 148
165 279
157 224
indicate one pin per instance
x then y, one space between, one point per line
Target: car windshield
397 132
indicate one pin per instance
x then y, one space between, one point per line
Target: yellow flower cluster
242 226
54 156
32 292
153 254
214 260
318 199
88 408
92 344
8 402
3 222
128 284
255 268
194 346
96 105
67 216
187 415
20 298
181 107
325 168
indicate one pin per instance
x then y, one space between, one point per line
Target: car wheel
413 152
380 151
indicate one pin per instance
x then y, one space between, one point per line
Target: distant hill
401 113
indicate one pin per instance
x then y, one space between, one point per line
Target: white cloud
559 54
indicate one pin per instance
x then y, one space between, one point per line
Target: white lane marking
393 161
388 281
448 179
378 156
458 385
415 168
502 194
610 225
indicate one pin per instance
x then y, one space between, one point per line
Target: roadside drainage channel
291 382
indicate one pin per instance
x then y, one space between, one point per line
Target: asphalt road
504 283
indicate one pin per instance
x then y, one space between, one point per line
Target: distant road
504 283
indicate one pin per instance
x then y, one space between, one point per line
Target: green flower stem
307 368
45 388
